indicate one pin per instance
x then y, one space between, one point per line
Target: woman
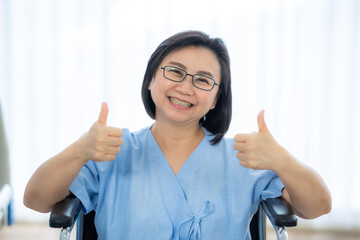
179 178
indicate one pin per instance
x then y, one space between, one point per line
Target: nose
186 86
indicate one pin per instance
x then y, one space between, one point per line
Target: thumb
104 113
261 122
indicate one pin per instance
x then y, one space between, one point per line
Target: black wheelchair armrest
279 212
65 213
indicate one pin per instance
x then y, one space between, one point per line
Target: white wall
298 60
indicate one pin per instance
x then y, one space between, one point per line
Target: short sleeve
267 185
273 189
86 186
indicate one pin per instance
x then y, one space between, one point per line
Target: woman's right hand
101 143
50 183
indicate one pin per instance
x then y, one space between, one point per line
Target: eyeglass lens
178 75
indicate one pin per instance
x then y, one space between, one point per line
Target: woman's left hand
304 188
259 150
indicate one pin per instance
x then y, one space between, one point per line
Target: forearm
304 188
51 181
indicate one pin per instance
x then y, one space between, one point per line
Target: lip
179 106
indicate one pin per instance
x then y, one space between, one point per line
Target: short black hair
217 120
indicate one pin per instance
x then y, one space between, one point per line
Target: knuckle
118 150
98 156
100 140
236 146
252 147
236 137
254 164
244 163
252 156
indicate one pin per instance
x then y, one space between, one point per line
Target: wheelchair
6 216
68 211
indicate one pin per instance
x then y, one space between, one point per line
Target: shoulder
225 141
225 153
135 134
134 139
225 145
133 143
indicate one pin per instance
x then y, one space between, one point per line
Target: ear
150 84
214 104
215 101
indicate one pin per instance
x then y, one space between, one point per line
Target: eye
202 80
174 73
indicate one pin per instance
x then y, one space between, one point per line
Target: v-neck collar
192 163
186 223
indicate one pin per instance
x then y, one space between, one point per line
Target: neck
168 136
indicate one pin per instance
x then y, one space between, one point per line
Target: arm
304 188
51 181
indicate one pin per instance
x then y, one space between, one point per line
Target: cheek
154 81
207 102
157 89
213 101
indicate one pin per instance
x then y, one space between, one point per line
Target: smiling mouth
180 103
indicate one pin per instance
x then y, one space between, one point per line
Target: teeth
181 103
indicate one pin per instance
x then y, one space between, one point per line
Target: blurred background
297 59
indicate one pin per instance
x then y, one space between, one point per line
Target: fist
258 150
102 143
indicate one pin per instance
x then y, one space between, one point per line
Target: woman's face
182 102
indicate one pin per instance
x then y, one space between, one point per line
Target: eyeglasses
178 75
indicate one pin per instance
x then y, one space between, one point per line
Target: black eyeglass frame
192 77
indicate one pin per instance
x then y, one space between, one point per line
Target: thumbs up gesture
259 150
102 142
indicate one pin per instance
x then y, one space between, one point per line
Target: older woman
179 178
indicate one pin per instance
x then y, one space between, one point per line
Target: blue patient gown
137 196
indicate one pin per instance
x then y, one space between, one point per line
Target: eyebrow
180 65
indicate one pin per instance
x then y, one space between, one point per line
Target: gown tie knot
194 231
